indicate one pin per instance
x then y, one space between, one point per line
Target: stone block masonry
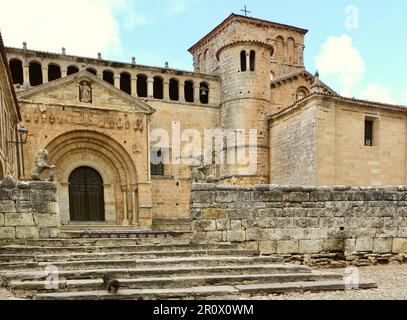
28 210
315 225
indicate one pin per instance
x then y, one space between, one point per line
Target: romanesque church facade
96 118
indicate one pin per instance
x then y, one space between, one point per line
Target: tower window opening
243 61
91 70
16 67
369 133
204 93
252 60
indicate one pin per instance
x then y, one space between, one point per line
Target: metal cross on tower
245 11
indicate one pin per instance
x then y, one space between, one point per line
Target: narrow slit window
243 61
369 133
252 60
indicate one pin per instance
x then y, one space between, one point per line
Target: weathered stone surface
364 244
382 245
331 245
399 245
27 233
2 219
7 233
236 236
222 224
43 185
291 246
268 247
310 246
46 220
19 219
214 213
204 225
8 183
7 206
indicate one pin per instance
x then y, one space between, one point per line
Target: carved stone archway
100 152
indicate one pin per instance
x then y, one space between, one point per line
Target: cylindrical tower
245 71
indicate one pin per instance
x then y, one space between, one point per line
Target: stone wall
316 225
28 210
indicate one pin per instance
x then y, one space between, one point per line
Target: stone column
285 52
248 61
296 55
125 207
44 75
150 88
181 91
134 86
166 84
26 74
197 93
64 73
211 94
117 81
134 199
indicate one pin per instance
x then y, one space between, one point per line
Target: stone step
129 273
140 263
202 292
77 256
173 281
102 247
121 233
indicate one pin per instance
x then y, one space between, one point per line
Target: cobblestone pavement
391 281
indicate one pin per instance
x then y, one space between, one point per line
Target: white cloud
84 27
375 92
178 6
339 59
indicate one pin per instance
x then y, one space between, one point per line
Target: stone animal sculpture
111 284
202 173
41 165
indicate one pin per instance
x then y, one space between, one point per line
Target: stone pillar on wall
181 91
197 93
26 74
134 86
134 200
125 207
166 84
44 75
64 73
117 81
150 88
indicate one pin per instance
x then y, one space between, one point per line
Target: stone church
96 118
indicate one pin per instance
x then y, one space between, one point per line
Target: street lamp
22 136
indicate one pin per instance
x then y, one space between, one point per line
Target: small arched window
16 67
142 85
125 82
54 72
174 90
92 70
72 70
243 61
35 74
158 88
252 60
189 91
271 76
302 93
108 76
204 93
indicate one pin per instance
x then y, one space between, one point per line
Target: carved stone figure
85 92
41 165
202 173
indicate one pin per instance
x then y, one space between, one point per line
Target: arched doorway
86 195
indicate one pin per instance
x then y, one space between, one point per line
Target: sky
358 46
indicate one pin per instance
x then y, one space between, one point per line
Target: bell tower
245 52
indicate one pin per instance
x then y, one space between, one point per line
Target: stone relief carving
85 92
202 173
41 165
